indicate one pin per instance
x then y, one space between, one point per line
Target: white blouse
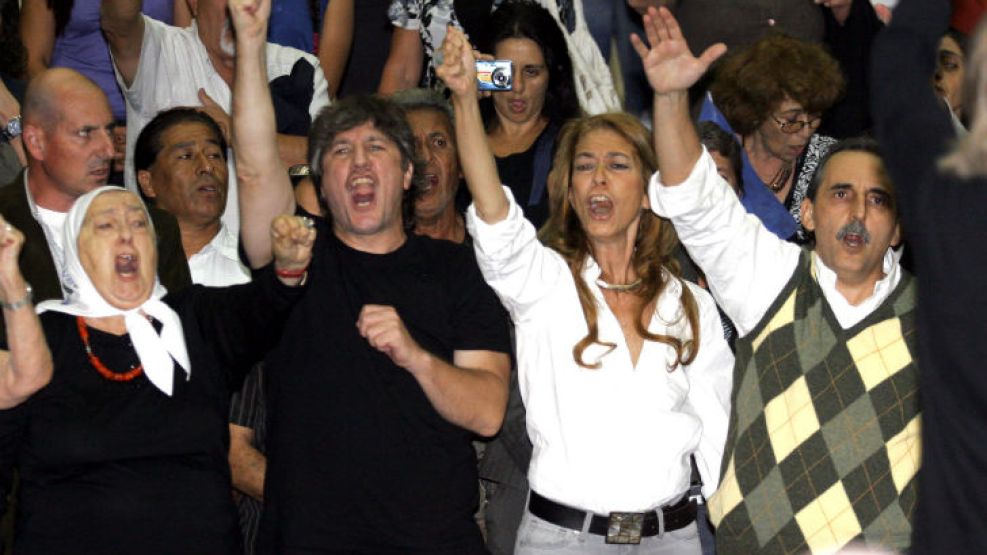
617 438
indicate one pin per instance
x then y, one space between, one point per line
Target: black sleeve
172 264
851 45
243 322
247 405
480 321
910 122
12 425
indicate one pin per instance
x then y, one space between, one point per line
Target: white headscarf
157 353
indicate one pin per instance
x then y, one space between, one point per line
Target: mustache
856 227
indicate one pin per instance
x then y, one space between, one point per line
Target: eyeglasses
792 126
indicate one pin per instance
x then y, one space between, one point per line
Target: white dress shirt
174 65
617 438
746 265
218 263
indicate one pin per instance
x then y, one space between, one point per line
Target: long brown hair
654 247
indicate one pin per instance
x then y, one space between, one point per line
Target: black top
943 216
523 171
120 467
358 459
372 32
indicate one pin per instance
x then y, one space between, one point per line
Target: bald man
68 139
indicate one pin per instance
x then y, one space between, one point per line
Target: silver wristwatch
11 130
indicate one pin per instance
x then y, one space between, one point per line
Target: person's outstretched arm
27 366
123 26
264 187
458 72
671 69
911 124
745 264
336 41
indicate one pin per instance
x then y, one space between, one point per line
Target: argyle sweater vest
823 447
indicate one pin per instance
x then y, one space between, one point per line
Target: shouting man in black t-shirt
396 356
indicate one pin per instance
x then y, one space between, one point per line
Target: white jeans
538 537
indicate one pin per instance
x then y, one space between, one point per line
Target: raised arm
910 122
27 366
264 187
181 14
745 264
123 26
37 34
671 69
458 72
335 41
403 67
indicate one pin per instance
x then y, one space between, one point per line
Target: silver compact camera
494 75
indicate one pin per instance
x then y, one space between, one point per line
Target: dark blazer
38 267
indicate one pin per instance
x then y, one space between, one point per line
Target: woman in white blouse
623 367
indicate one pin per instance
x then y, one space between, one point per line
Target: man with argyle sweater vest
823 446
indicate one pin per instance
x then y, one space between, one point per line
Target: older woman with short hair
124 451
774 94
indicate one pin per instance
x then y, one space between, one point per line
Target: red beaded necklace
98 364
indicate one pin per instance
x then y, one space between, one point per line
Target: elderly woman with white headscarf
124 451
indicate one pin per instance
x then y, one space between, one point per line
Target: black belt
618 527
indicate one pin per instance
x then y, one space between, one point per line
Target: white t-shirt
174 65
52 222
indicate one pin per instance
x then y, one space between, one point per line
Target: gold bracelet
28 298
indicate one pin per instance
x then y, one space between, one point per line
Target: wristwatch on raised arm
11 130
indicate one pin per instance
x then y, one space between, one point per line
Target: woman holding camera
522 122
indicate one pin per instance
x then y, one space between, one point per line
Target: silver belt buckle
625 528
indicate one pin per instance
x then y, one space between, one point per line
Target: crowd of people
281 277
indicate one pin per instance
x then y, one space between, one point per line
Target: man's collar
890 265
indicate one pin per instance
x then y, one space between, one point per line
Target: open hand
249 18
383 329
458 69
292 238
669 64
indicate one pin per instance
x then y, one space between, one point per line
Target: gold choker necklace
619 287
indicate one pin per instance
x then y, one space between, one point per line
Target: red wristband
291 274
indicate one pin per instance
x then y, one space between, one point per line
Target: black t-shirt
358 459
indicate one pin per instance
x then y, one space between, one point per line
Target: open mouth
430 182
854 241
600 206
127 265
853 235
362 191
518 106
208 189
